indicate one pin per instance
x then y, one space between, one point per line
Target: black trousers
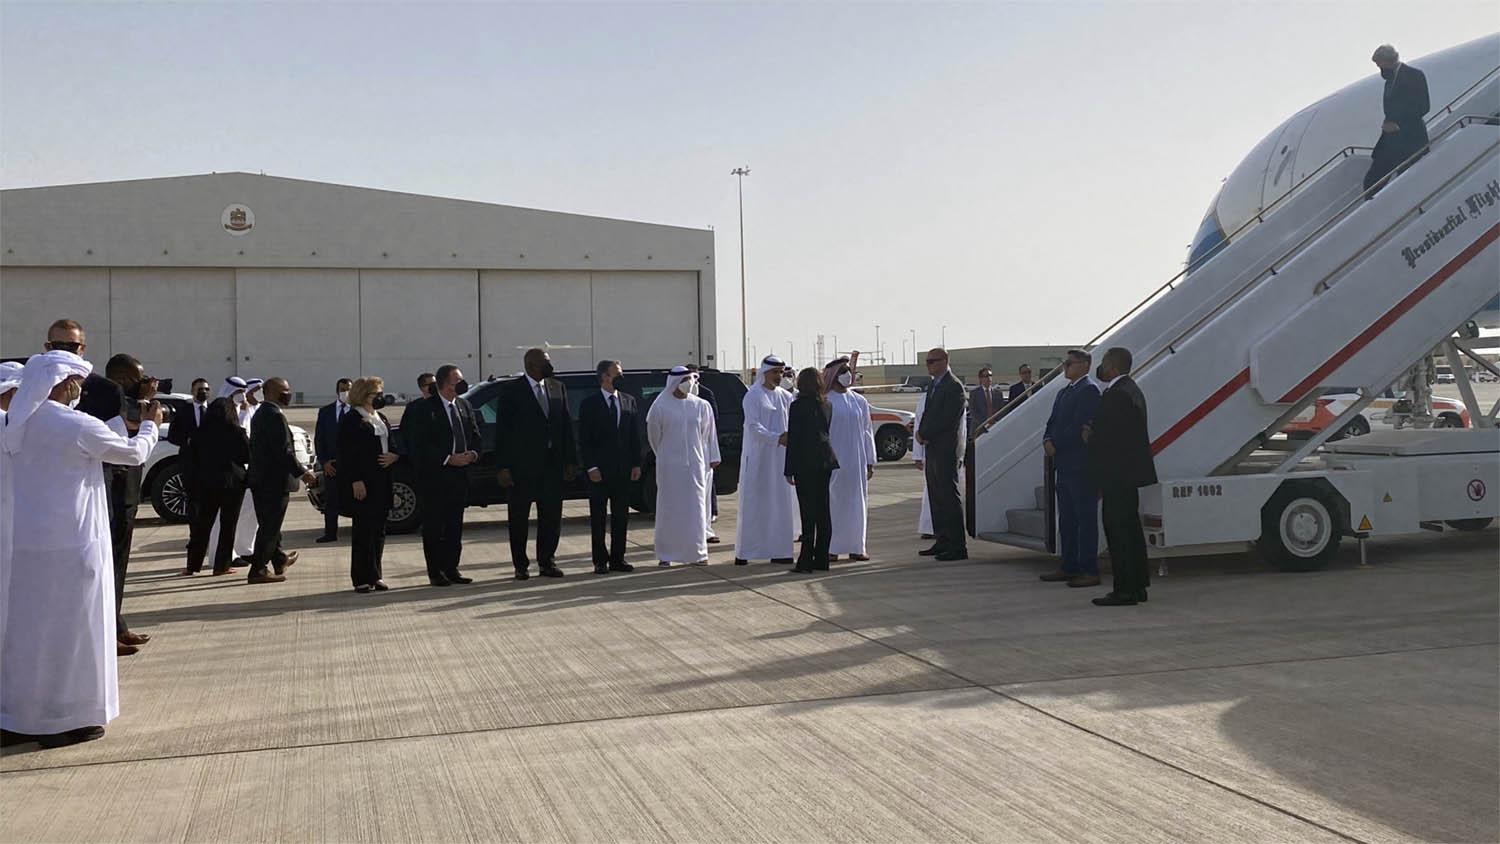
270 511
941 470
208 504
367 547
545 490
121 531
331 505
612 494
1389 153
1127 540
817 519
442 497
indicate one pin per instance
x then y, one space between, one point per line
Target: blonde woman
364 480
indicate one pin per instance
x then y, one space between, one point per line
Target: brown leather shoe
132 638
1057 577
859 558
264 576
1083 581
122 649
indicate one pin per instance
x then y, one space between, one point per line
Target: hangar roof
249 220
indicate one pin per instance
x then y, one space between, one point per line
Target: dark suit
274 470
1023 391
1077 496
810 461
431 437
1405 103
613 446
535 447
326 444
982 405
104 400
1120 462
359 460
216 456
944 410
184 425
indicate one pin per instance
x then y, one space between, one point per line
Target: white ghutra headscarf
41 373
769 364
678 376
10 376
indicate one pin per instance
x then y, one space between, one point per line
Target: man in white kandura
919 458
853 439
680 428
58 678
768 518
235 389
10 379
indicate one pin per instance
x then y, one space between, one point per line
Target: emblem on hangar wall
238 219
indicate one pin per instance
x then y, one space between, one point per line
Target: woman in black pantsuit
215 462
809 467
364 476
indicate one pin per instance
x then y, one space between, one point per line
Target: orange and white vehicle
893 432
1382 414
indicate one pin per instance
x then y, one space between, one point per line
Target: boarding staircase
1326 286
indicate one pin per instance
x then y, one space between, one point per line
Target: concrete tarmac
895 700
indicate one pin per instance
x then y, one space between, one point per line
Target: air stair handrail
1258 218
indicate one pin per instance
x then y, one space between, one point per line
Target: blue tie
614 411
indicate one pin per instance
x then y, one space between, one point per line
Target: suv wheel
403 517
169 496
890 443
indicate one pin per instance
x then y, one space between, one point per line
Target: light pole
913 344
903 350
790 352
877 344
945 337
740 173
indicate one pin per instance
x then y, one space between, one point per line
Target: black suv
484 478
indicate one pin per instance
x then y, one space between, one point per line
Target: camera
133 411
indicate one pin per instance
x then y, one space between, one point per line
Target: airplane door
1281 171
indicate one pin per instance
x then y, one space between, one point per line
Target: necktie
614 410
460 442
198 414
541 398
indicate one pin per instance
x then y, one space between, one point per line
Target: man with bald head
942 416
537 455
274 472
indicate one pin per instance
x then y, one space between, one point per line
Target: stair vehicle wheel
1300 527
1357 427
1448 420
1469 524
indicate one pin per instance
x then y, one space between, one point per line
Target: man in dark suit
274 472
609 443
1077 497
184 424
702 391
326 444
1024 386
1119 458
1403 133
537 455
442 437
984 401
938 433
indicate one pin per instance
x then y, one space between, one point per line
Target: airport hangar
237 273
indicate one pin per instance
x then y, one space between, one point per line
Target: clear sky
1018 172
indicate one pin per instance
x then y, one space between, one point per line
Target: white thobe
686 444
919 452
768 518
853 438
246 526
57 660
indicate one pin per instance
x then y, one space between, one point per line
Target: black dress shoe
951 556
11 739
1056 577
928 536
523 574
1140 597
326 538
1083 581
439 581
455 577
1115 599
740 562
621 567
600 568
77 736
801 568
550 571
783 560
931 552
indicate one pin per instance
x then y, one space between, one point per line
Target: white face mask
693 386
237 397
846 378
73 402
343 396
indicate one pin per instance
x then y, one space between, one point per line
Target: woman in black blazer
809 467
364 478
215 460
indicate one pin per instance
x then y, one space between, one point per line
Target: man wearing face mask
326 444
116 400
537 455
274 472
442 438
182 427
1403 133
1120 463
852 436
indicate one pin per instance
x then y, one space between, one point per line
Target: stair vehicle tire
1469 524
1300 526
1357 427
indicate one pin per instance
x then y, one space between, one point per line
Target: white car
161 477
893 432
1378 415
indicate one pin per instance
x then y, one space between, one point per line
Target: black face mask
1099 373
546 369
379 402
461 387
201 395
285 399
1387 73
431 389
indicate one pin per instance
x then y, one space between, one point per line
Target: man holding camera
118 399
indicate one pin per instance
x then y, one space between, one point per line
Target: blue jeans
1078 523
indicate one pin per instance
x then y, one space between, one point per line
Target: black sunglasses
936 360
64 346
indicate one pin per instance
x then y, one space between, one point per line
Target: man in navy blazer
610 435
1121 462
326 444
1077 495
